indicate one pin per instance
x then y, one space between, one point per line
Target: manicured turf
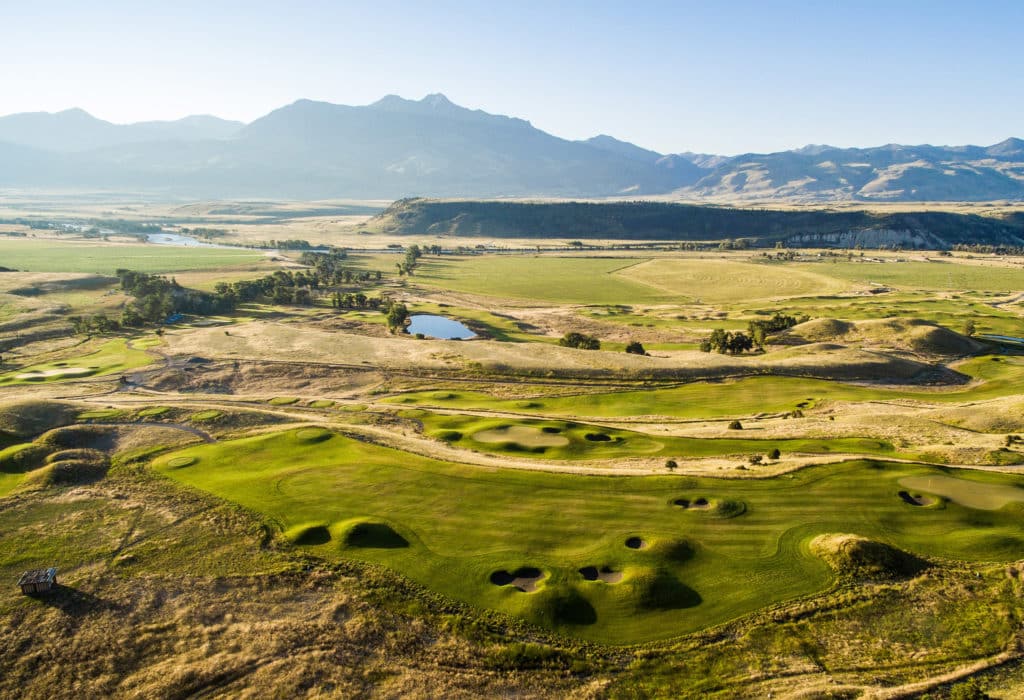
716 281
581 280
1001 376
108 358
452 528
924 275
552 439
105 258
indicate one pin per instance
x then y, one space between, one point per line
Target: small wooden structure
38 581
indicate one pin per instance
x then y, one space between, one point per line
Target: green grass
1000 376
108 358
105 258
283 401
579 280
560 440
462 524
922 275
203 416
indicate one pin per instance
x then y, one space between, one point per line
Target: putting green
454 527
554 439
966 492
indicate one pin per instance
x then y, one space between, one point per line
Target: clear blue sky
718 77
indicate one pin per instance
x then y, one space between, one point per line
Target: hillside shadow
72 601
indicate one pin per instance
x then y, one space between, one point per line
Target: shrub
774 454
756 459
735 425
635 348
671 464
580 341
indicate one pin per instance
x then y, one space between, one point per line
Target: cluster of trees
758 330
412 259
95 324
580 341
156 298
723 341
203 232
989 249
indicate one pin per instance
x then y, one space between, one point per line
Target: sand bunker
523 435
695 504
524 578
636 543
973 494
62 372
604 573
916 499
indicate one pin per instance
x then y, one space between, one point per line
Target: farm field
687 523
77 256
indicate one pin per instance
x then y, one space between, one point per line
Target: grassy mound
308 534
558 606
153 411
22 458
371 534
27 418
852 556
283 401
908 334
321 403
205 416
655 588
673 550
90 466
313 434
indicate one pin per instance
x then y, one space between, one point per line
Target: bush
971 690
635 348
774 454
671 464
735 425
580 341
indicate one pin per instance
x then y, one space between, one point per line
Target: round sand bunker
603 573
917 499
636 543
524 578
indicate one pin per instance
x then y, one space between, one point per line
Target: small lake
179 240
438 327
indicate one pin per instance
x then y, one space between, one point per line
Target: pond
438 327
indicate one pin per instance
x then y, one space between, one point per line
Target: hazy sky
718 77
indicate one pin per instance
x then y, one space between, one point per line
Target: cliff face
657 221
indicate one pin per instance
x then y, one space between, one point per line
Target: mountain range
431 147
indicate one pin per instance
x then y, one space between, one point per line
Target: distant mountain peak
436 100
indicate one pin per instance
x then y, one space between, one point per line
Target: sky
713 77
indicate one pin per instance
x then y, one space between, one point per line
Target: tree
635 348
969 327
580 341
396 315
671 464
774 453
735 425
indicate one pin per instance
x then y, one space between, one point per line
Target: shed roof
38 576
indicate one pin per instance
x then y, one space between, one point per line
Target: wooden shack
38 581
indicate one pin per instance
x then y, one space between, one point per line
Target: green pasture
943 275
738 546
110 357
572 280
105 258
561 440
999 376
